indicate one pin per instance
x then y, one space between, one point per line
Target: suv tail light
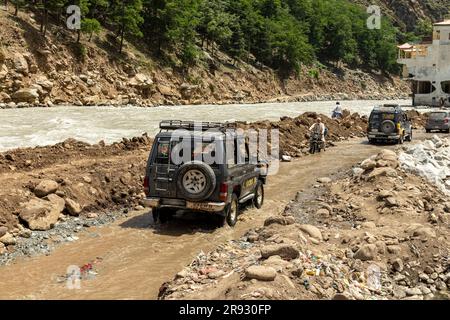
446 120
223 195
146 186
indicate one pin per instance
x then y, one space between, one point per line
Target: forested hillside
283 34
313 42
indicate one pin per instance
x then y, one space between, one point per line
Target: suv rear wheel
258 200
232 211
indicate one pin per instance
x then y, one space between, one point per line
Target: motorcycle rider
337 112
319 127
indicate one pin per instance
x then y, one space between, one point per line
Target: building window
423 87
446 86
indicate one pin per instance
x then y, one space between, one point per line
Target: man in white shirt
319 127
337 112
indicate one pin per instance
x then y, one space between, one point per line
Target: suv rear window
203 150
438 115
381 116
162 154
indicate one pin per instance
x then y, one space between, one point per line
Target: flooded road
46 126
137 256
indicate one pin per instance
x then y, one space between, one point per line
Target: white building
427 66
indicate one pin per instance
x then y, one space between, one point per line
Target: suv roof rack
195 125
388 108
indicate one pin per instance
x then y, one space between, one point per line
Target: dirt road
137 256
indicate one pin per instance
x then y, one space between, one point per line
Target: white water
45 126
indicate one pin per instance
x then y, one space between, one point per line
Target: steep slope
55 70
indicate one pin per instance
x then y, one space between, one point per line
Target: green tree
127 16
17 5
90 26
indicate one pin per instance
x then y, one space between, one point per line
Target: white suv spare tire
196 181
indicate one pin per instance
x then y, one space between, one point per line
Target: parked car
217 188
439 121
389 123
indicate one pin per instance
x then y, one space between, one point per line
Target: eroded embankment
378 231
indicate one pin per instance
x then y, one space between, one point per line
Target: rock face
25 95
73 208
45 187
287 252
261 273
40 214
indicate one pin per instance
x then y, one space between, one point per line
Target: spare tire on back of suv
196 181
388 126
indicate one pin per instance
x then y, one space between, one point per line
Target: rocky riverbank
377 232
44 72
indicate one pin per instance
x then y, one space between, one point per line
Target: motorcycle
336 115
315 143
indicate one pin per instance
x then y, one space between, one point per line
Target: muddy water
46 126
137 256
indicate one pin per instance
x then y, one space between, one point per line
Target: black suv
203 167
389 123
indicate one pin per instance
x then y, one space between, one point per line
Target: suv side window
242 155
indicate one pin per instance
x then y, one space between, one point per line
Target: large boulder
20 64
45 187
387 158
3 231
8 239
261 273
279 220
166 90
142 81
44 83
56 201
285 251
29 95
312 231
40 214
366 252
73 207
368 164
382 172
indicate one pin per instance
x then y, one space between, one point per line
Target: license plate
200 206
